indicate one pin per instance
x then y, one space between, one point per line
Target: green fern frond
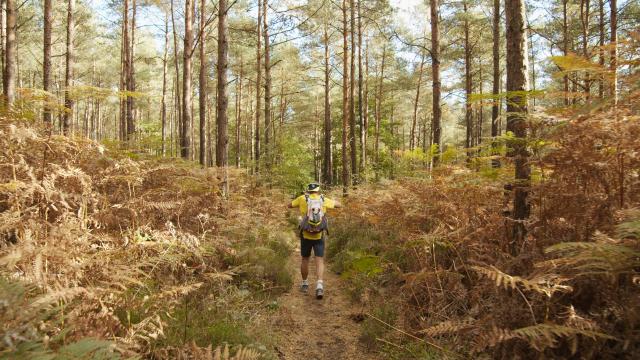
631 227
594 258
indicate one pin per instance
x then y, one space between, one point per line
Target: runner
313 226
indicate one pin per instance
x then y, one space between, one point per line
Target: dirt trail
313 329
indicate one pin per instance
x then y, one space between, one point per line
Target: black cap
313 187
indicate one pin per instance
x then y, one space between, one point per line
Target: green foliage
220 332
449 155
22 313
374 328
295 160
264 259
86 348
207 322
408 350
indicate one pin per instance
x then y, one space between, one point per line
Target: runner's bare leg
304 268
319 267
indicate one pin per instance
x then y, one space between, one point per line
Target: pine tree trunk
124 49
249 125
68 78
480 107
46 60
327 175
497 100
222 139
3 36
614 50
267 85
517 85
202 83
352 121
125 71
379 106
435 69
360 83
414 135
239 112
177 105
468 81
185 140
131 111
163 102
9 78
601 49
584 17
345 99
365 121
565 49
258 86
316 144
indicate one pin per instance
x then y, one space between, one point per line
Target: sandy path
313 329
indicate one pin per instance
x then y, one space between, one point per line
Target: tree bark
517 85
185 140
202 83
352 121
177 98
360 82
497 100
327 173
345 99
480 107
379 105
468 81
614 50
222 139
239 112
46 60
267 85
258 86
68 78
124 50
414 121
435 69
601 49
584 17
565 49
163 102
316 144
3 36
131 127
10 55
365 120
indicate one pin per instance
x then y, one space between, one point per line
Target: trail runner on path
313 226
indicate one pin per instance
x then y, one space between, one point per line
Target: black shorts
306 245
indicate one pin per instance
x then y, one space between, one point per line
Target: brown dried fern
547 284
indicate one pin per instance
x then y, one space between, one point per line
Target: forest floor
313 329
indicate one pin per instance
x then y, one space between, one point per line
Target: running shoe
304 288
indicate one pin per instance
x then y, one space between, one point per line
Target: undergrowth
104 256
430 261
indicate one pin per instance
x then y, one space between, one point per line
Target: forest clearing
468 172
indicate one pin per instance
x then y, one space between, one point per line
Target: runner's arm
295 203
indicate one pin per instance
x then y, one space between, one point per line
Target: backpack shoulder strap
306 198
